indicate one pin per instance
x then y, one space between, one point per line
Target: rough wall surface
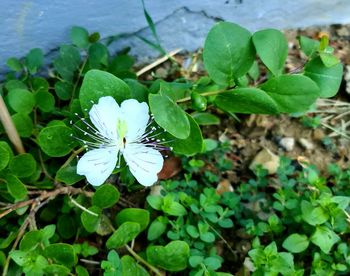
27 24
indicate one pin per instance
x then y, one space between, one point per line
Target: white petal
136 116
98 164
104 116
144 163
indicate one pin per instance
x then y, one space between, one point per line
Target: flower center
121 130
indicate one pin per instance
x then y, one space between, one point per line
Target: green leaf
324 238
329 60
207 237
98 56
138 91
131 267
212 263
21 100
90 221
5 156
140 216
313 215
63 90
66 226
68 175
296 243
79 37
31 240
192 144
125 233
247 101
61 253
45 101
39 84
169 116
205 119
82 271
106 196
56 141
68 62
23 124
292 93
97 84
15 187
14 64
309 46
156 202
327 78
228 53
34 60
55 269
272 48
172 257
157 228
23 165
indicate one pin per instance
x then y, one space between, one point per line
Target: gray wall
27 24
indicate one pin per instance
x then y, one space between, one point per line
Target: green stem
141 260
77 81
210 93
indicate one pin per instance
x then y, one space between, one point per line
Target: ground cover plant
80 144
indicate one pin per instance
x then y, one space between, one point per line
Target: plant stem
141 260
10 128
210 93
77 81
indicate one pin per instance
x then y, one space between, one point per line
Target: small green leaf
34 60
68 62
106 196
327 78
296 243
97 84
31 240
205 119
5 156
247 101
63 90
45 101
292 93
157 228
56 141
329 60
313 215
131 267
23 124
68 175
138 91
21 100
172 257
309 46
272 48
156 202
23 165
14 64
39 84
324 238
91 221
192 144
15 187
79 37
98 56
66 226
55 269
228 53
169 116
125 233
61 253
140 216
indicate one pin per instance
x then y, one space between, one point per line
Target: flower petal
136 116
98 164
104 115
144 163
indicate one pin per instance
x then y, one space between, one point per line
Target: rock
224 186
287 143
306 144
347 78
267 160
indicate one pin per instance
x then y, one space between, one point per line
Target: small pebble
287 143
306 144
267 160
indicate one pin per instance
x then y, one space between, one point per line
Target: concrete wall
27 24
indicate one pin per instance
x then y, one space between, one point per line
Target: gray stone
306 144
287 143
267 160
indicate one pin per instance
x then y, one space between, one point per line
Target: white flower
120 131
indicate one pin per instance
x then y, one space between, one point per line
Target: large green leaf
272 48
97 84
292 93
324 238
21 100
169 116
228 52
327 78
125 233
61 253
172 257
246 100
296 243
